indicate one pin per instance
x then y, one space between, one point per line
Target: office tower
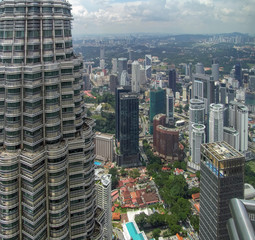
114 65
241 224
223 93
104 201
118 91
148 63
231 94
198 137
172 80
135 82
129 68
203 88
86 81
216 122
124 79
215 71
157 104
169 107
104 146
101 52
238 74
102 63
47 158
196 114
238 119
231 136
252 83
216 92
200 68
222 178
122 65
142 76
128 130
188 70
113 82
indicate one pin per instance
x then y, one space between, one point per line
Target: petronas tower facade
47 186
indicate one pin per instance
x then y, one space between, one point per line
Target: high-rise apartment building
198 137
216 120
169 106
124 79
203 88
114 65
215 71
47 154
222 178
238 74
231 136
172 80
135 82
104 200
238 119
196 114
128 136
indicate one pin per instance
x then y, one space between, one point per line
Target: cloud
169 16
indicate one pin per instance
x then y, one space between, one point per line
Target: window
68 44
48 46
47 33
7 48
33 47
47 10
33 33
67 32
8 34
13 77
60 57
19 34
20 9
57 10
32 76
58 33
9 10
7 60
59 45
51 74
66 71
33 9
18 60
48 59
19 48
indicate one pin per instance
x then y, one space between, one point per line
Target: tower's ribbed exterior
46 158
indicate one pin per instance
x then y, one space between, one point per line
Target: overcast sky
163 16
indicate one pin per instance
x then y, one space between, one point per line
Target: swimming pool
97 163
133 233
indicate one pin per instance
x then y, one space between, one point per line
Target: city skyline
164 16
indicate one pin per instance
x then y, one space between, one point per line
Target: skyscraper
47 154
238 119
114 65
231 136
215 71
200 68
104 201
216 120
172 80
135 82
157 104
196 114
222 178
203 88
169 106
128 130
238 74
198 137
147 63
118 91
122 65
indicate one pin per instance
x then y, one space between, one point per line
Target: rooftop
220 151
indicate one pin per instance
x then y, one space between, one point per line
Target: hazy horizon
99 17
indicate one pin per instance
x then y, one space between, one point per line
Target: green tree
123 172
156 233
186 108
194 220
198 175
134 173
141 220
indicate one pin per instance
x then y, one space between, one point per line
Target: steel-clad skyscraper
47 154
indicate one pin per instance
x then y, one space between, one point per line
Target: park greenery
105 122
174 191
249 173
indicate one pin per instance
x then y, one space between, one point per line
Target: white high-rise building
169 106
238 119
242 127
124 79
231 136
135 82
196 114
114 65
198 137
104 200
104 146
147 65
216 121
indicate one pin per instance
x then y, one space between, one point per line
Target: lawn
252 165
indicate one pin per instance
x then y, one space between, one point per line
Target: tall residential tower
47 154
